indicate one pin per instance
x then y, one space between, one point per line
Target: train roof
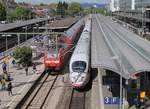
74 28
53 46
87 27
82 49
81 57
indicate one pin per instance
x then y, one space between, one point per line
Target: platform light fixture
6 35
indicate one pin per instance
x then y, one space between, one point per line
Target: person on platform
26 69
9 88
34 68
13 63
3 82
4 67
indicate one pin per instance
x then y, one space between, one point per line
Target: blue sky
50 1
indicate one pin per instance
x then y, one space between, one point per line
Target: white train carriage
80 60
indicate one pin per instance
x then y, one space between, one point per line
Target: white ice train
80 61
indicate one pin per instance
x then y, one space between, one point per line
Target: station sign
111 100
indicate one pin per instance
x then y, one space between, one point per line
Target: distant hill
87 5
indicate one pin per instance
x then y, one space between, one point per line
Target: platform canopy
118 49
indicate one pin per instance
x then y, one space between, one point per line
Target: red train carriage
56 55
73 33
54 58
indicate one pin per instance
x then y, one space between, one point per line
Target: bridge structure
118 50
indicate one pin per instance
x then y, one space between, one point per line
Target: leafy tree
20 12
42 4
62 8
65 7
24 55
74 8
2 12
59 8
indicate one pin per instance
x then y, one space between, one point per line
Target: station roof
5 27
115 48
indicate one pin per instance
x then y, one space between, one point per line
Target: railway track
72 98
40 94
77 100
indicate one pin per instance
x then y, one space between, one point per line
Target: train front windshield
78 66
51 52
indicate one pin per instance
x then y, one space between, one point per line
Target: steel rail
49 92
37 92
46 76
77 100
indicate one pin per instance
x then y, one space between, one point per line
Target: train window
51 54
78 66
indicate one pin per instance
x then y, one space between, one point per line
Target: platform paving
21 83
99 92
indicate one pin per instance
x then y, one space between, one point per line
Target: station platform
99 92
21 83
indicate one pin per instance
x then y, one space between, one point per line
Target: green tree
2 12
20 12
59 8
65 7
24 55
74 8
62 8
42 4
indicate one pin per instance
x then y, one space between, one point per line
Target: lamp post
6 35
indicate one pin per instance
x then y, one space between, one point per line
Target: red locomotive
56 54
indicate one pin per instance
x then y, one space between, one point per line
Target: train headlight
56 62
47 61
